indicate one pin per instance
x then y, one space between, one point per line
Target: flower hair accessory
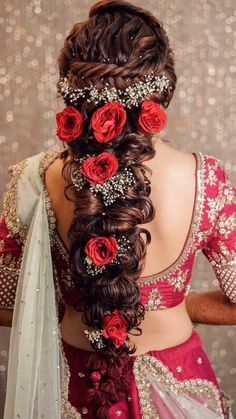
95 337
114 327
69 124
152 118
130 97
98 169
102 251
101 172
108 121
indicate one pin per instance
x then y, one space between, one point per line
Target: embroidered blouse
212 230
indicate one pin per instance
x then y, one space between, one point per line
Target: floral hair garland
108 121
129 97
101 172
114 327
102 251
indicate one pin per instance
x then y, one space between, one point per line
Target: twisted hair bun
119 44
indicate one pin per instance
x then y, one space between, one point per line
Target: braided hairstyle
119 44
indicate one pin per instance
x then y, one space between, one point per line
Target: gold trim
47 159
156 370
14 224
68 410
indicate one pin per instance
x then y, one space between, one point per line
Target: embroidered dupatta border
68 410
161 373
14 224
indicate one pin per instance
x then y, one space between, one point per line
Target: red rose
101 250
114 328
69 124
152 117
108 121
99 169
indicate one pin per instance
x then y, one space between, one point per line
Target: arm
5 317
218 307
211 307
10 258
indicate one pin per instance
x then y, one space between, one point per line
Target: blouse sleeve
220 249
10 258
12 238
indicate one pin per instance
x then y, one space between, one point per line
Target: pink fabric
186 361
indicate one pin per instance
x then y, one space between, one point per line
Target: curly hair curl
119 44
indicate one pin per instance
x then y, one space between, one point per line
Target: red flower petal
152 117
108 121
69 124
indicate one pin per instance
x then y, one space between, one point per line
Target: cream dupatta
33 381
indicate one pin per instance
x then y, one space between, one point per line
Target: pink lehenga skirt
177 382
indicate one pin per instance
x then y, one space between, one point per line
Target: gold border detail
10 199
193 228
68 410
47 159
56 244
161 373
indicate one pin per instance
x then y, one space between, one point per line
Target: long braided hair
118 45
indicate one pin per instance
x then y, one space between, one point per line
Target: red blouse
212 231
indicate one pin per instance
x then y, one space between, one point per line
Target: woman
96 332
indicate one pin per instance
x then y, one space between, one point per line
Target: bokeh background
201 116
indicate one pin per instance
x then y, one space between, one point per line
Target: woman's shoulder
33 166
179 161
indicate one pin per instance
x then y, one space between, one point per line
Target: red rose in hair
152 117
99 169
108 121
114 328
101 250
69 124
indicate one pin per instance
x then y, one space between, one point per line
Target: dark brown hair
119 44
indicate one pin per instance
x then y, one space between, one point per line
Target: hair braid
117 45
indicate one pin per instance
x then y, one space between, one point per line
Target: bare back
173 183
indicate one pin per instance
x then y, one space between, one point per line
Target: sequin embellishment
156 370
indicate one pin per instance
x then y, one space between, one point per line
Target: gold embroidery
56 244
212 178
8 261
214 208
159 372
66 274
226 275
14 224
9 274
8 284
48 158
154 301
229 193
226 224
68 410
180 280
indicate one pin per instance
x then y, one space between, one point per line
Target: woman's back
173 183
